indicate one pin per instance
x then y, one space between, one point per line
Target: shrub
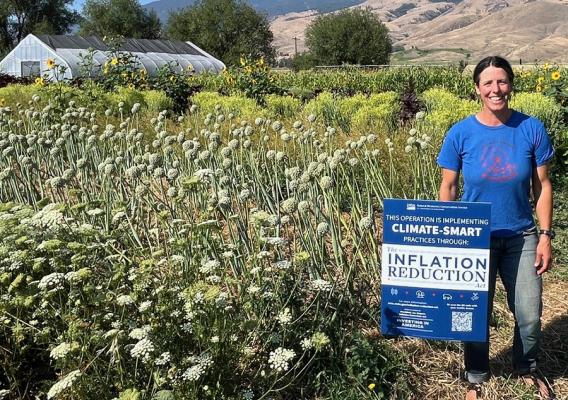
157 100
207 102
282 106
445 109
12 94
127 96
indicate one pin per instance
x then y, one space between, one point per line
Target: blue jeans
513 258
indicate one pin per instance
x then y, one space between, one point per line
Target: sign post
435 269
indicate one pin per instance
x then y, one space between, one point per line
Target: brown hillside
518 29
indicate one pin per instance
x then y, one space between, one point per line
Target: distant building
30 57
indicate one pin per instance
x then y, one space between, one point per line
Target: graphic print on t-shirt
496 162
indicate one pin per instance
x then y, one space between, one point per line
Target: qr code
462 321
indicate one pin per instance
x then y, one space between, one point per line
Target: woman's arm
449 185
542 192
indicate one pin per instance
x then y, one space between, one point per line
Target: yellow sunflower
50 63
114 61
555 75
538 88
39 81
546 66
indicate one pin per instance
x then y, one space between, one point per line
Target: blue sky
78 4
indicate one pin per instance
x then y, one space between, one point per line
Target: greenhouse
78 56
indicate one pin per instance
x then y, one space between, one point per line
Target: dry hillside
448 31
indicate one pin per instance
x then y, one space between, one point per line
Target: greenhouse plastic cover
150 54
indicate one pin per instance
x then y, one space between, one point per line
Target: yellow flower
172 78
242 61
114 61
540 79
261 61
538 88
372 386
2 102
555 75
130 86
143 72
546 66
190 67
50 63
39 81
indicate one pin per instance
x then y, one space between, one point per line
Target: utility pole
295 46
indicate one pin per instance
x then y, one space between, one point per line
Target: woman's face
494 89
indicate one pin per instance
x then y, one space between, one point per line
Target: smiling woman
503 154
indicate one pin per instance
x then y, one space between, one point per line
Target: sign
435 269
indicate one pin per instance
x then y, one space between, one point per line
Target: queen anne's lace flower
52 282
60 351
124 300
142 349
285 317
63 384
280 358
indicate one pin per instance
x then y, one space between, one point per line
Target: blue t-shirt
497 164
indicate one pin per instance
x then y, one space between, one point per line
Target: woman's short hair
493 61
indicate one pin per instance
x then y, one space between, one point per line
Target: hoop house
30 57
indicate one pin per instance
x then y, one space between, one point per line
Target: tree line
227 29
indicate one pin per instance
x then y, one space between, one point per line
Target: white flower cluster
140 333
209 266
52 282
202 362
49 217
163 359
145 305
285 317
321 285
280 358
60 351
124 300
142 349
282 264
64 384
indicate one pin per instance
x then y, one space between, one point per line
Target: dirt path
438 365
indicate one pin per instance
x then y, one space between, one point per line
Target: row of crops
227 252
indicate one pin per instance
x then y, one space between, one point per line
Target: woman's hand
543 259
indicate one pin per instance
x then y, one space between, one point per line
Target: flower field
228 251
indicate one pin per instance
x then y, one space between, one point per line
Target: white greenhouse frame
67 52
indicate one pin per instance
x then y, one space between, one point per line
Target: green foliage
282 106
303 61
157 101
212 102
397 79
116 18
351 36
253 78
124 98
539 106
18 93
324 107
227 29
445 109
19 18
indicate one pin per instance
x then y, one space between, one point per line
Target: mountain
438 31
272 8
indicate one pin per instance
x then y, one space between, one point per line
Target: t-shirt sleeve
543 150
450 155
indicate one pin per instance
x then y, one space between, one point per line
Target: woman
501 154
